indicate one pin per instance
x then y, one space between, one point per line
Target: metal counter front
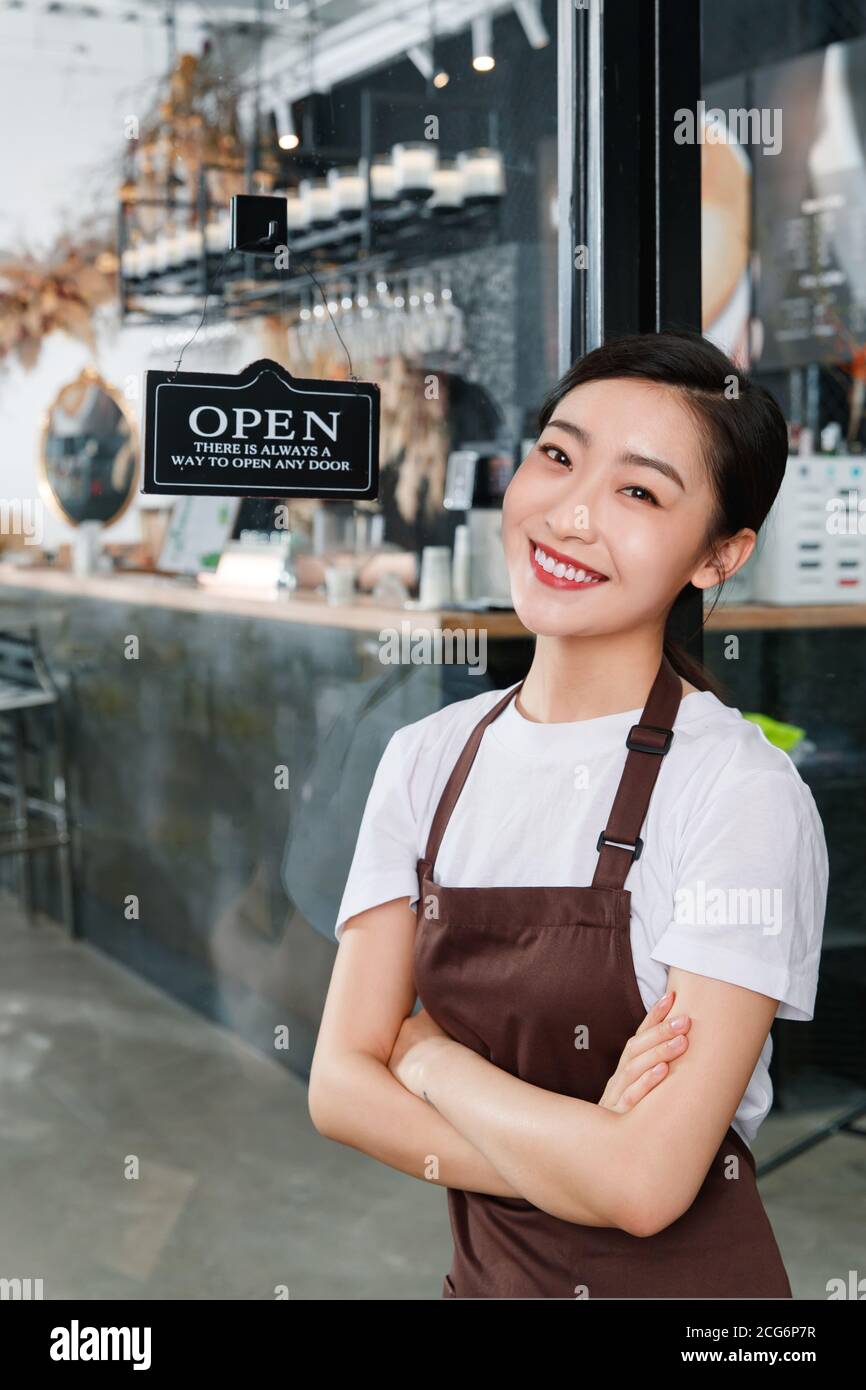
221 751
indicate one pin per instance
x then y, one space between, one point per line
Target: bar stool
31 720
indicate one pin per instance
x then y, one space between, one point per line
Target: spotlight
482 44
441 76
287 137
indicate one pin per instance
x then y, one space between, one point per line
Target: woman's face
589 497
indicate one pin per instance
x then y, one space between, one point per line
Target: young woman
540 864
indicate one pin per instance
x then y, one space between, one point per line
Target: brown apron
511 973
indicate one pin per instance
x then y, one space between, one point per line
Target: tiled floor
236 1193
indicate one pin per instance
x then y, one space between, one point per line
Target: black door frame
630 195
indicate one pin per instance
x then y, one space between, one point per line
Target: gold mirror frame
89 377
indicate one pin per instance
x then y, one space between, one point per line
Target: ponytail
693 671
688 666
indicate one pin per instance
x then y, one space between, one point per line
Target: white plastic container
460 565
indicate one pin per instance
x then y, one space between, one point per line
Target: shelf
390 239
364 612
768 616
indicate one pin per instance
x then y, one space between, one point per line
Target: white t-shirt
729 813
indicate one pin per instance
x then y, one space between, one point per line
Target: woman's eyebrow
638 460
643 461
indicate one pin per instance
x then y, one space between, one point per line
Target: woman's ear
725 559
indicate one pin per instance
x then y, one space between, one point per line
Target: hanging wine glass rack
401 212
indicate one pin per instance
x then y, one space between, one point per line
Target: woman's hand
418 1034
645 1059
647 1056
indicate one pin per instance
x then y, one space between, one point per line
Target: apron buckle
621 844
637 743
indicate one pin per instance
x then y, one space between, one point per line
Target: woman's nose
575 511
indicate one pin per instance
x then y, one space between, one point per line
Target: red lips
554 581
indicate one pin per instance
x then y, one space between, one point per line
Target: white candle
318 198
413 166
382 180
216 237
162 253
482 173
192 243
447 186
176 249
349 190
297 212
147 259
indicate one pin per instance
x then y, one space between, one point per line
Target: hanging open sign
262 433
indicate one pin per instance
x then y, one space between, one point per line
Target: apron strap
619 844
454 785
647 743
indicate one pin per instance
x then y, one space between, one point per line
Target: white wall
66 86
122 357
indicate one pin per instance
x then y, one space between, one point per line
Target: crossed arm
487 1131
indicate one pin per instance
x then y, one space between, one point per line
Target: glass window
784 287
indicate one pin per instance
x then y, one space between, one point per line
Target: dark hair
744 435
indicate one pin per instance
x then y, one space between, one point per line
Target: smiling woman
492 861
656 464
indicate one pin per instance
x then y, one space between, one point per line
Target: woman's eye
552 449
635 487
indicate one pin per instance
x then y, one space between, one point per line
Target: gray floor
237 1194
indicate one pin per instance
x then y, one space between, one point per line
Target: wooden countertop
363 613
738 617
366 614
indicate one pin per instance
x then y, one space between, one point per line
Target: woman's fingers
647 1055
658 1011
665 1051
645 1083
642 1042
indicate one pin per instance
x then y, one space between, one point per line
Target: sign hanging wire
257 246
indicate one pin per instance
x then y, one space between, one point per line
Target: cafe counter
221 748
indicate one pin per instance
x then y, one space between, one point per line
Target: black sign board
262 433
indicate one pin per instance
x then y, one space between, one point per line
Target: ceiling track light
287 136
529 14
441 76
482 44
423 59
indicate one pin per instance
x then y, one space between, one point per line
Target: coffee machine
476 477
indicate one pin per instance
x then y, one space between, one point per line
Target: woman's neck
574 678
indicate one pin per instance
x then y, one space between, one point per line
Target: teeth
562 571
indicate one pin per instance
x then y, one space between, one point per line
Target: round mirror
89 454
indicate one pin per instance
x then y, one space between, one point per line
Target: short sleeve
750 877
384 865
